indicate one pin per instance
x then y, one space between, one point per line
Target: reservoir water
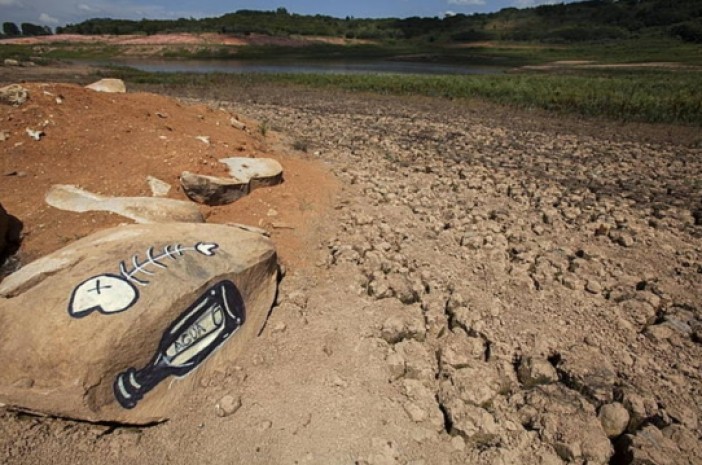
294 66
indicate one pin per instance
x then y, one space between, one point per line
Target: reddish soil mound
110 143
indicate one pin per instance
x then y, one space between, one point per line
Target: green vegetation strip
652 96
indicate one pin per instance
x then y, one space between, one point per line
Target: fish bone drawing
111 293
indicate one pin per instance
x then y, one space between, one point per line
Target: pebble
227 406
614 418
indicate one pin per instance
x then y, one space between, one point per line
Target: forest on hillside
587 21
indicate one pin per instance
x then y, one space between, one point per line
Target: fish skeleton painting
110 293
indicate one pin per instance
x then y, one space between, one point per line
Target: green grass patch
649 96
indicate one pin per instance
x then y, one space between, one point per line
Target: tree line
10 29
590 20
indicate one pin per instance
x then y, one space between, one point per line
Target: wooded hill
587 21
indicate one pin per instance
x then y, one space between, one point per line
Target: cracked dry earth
489 289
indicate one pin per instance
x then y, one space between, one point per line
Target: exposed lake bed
331 66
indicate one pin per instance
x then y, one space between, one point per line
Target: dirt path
485 286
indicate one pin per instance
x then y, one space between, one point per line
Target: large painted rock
120 326
140 209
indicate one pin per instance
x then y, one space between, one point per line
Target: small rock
650 446
474 423
535 371
235 123
614 418
396 364
397 328
298 298
622 238
338 381
402 289
36 135
458 443
459 351
13 94
393 330
112 86
227 405
158 188
416 413
4 135
279 327
659 333
11 62
204 139
593 287
264 425
19 174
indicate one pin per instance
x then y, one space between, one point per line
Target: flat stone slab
258 172
120 326
113 86
212 190
140 209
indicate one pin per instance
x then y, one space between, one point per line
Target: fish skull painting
111 293
104 293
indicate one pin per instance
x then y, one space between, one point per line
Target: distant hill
587 21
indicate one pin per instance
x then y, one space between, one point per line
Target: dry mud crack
488 290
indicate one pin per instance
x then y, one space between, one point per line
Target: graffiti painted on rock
116 292
203 327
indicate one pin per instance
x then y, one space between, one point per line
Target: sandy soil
109 144
489 286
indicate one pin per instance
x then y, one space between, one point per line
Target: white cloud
86 7
448 13
46 19
467 2
9 2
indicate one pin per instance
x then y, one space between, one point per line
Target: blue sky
59 12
